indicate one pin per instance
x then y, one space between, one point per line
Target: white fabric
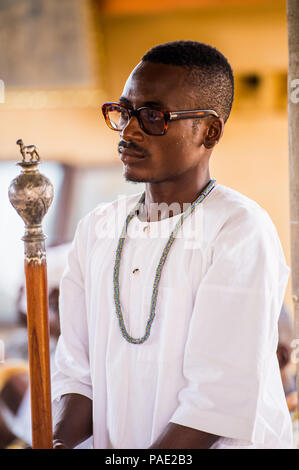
210 361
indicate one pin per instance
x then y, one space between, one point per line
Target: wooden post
293 118
31 194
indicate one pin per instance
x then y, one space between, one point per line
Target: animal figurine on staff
31 194
28 150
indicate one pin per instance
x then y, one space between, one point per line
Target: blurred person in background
284 350
182 353
15 415
287 367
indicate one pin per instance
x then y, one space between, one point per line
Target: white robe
210 361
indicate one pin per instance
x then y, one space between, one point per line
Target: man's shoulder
228 202
228 210
233 199
238 225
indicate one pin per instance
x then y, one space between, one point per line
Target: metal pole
31 194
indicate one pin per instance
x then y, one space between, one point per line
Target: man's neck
167 199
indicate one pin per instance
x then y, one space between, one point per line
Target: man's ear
213 133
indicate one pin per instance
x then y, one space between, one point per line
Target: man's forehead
157 83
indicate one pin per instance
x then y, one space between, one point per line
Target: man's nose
132 130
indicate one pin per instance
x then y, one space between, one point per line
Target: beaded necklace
160 266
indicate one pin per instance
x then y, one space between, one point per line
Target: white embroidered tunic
210 361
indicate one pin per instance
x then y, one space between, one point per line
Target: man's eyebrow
124 100
156 104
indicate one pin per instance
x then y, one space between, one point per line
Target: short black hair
208 70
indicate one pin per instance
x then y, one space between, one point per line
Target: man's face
180 150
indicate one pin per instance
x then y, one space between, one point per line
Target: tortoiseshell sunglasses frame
167 116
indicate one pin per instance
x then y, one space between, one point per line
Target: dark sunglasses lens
153 121
117 117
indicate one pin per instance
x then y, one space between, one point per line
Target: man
169 320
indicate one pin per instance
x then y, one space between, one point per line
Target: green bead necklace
210 186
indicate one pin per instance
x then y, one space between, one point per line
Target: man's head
208 72
177 76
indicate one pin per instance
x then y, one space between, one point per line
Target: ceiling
155 6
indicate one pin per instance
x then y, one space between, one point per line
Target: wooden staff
31 194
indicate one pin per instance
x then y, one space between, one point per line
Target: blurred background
61 59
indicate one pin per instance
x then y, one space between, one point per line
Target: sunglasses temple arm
190 116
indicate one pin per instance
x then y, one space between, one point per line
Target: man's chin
144 179
135 178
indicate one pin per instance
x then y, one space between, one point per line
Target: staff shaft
39 356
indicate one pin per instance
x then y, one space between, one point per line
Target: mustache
134 147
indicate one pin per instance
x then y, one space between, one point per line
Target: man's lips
131 148
130 152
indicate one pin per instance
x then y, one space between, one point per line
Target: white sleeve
72 372
232 337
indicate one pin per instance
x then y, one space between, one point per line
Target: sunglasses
151 121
